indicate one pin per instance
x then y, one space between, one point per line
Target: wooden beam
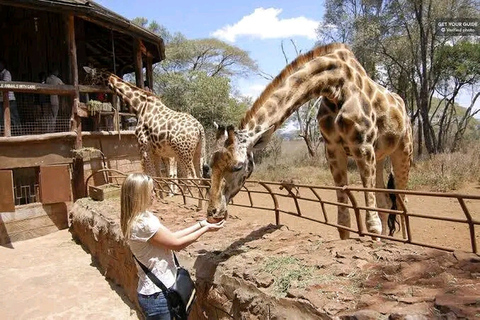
149 72
72 54
7 126
94 89
138 63
38 88
78 173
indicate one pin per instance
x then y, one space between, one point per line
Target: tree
213 56
196 76
458 67
402 42
355 22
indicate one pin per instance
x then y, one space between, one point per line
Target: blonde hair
135 198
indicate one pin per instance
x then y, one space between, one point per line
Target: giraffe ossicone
162 133
357 118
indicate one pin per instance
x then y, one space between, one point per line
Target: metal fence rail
198 189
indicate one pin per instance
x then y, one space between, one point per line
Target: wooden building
39 173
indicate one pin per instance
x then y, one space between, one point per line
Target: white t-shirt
158 260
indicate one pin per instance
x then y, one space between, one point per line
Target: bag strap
152 277
176 260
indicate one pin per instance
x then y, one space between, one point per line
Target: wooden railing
47 89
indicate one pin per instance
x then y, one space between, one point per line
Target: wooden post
6 115
78 174
149 72
138 64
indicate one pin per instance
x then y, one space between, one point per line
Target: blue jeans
154 306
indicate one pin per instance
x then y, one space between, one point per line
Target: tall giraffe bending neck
131 95
303 79
357 117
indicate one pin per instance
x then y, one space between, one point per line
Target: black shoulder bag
181 295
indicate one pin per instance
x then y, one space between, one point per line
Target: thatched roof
104 19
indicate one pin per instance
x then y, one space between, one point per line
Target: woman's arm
187 231
166 239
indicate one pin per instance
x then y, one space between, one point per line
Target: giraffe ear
89 70
221 135
230 136
262 138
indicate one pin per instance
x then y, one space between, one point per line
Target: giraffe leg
197 164
156 159
170 173
365 159
187 170
337 159
382 198
401 170
148 165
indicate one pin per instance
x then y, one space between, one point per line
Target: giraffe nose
212 212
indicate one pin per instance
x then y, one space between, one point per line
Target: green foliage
206 98
213 56
460 62
195 76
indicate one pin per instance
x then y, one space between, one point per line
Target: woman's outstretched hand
212 226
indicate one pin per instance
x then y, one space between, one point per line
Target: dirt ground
258 265
52 277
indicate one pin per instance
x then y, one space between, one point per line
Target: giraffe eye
238 167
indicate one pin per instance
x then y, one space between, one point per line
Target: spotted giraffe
357 117
162 133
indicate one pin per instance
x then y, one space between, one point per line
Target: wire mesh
38 115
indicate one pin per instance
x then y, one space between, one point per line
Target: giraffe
357 118
163 134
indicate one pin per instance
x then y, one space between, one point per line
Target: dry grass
441 172
448 171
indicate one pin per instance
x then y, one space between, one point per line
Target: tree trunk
420 136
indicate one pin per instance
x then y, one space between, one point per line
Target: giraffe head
97 77
231 165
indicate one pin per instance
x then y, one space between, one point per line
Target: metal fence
253 190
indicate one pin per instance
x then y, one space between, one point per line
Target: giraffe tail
392 218
205 168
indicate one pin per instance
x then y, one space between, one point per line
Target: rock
321 261
398 316
363 315
264 280
343 270
361 263
461 306
334 307
412 300
466 256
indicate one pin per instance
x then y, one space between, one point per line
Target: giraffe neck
320 75
130 94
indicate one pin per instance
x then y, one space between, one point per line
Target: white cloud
265 24
253 90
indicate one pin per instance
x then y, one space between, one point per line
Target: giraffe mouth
217 219
214 220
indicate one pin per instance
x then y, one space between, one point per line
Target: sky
258 27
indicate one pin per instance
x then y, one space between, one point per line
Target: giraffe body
357 117
162 133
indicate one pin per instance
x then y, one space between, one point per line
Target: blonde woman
152 243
